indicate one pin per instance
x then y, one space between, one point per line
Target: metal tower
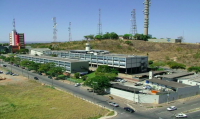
14 24
133 29
54 29
99 24
146 3
69 29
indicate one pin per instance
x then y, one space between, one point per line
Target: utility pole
54 29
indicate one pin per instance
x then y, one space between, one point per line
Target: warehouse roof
195 78
54 58
126 88
168 83
147 73
177 75
40 49
122 55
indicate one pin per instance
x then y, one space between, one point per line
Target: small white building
38 51
192 80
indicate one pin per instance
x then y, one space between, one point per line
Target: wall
121 93
33 52
187 91
163 40
145 98
77 67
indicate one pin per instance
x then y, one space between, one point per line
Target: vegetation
196 69
27 100
77 75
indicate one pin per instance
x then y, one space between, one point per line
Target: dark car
128 109
4 66
40 73
36 78
50 77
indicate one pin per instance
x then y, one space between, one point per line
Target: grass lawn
91 75
31 100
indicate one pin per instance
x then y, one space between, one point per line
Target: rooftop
54 58
168 83
126 88
147 73
122 55
177 75
40 49
195 77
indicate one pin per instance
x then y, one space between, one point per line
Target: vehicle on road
138 84
8 73
171 108
15 74
123 81
90 90
36 78
128 109
147 87
113 104
77 84
181 115
4 66
50 77
1 72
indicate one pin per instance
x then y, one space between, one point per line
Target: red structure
16 39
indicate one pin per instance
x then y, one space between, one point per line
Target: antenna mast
14 24
133 29
99 25
69 29
54 29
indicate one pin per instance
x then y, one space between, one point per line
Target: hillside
188 54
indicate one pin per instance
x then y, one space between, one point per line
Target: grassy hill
188 54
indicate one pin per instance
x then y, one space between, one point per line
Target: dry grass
30 100
188 54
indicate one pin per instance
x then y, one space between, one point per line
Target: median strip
192 110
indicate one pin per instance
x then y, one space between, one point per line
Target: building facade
16 39
71 66
125 63
168 40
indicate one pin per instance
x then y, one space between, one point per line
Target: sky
167 18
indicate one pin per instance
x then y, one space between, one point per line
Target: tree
196 69
87 37
106 36
77 75
24 63
150 62
99 37
46 67
127 36
84 77
175 65
33 66
113 35
153 38
98 82
105 70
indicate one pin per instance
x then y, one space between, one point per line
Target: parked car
138 84
113 104
128 109
8 73
36 78
1 72
77 84
4 65
15 74
50 77
171 108
147 87
90 90
181 115
40 73
123 81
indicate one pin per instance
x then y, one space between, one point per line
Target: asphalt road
97 99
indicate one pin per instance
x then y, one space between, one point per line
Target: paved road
84 94
194 115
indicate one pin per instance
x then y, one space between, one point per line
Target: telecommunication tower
54 29
69 29
133 29
99 24
146 3
14 24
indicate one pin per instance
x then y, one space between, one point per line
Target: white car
113 104
1 72
181 115
147 87
171 108
15 74
122 81
77 84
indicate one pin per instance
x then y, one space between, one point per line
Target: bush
128 42
84 77
77 75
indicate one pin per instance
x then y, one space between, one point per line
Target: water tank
147 81
87 48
